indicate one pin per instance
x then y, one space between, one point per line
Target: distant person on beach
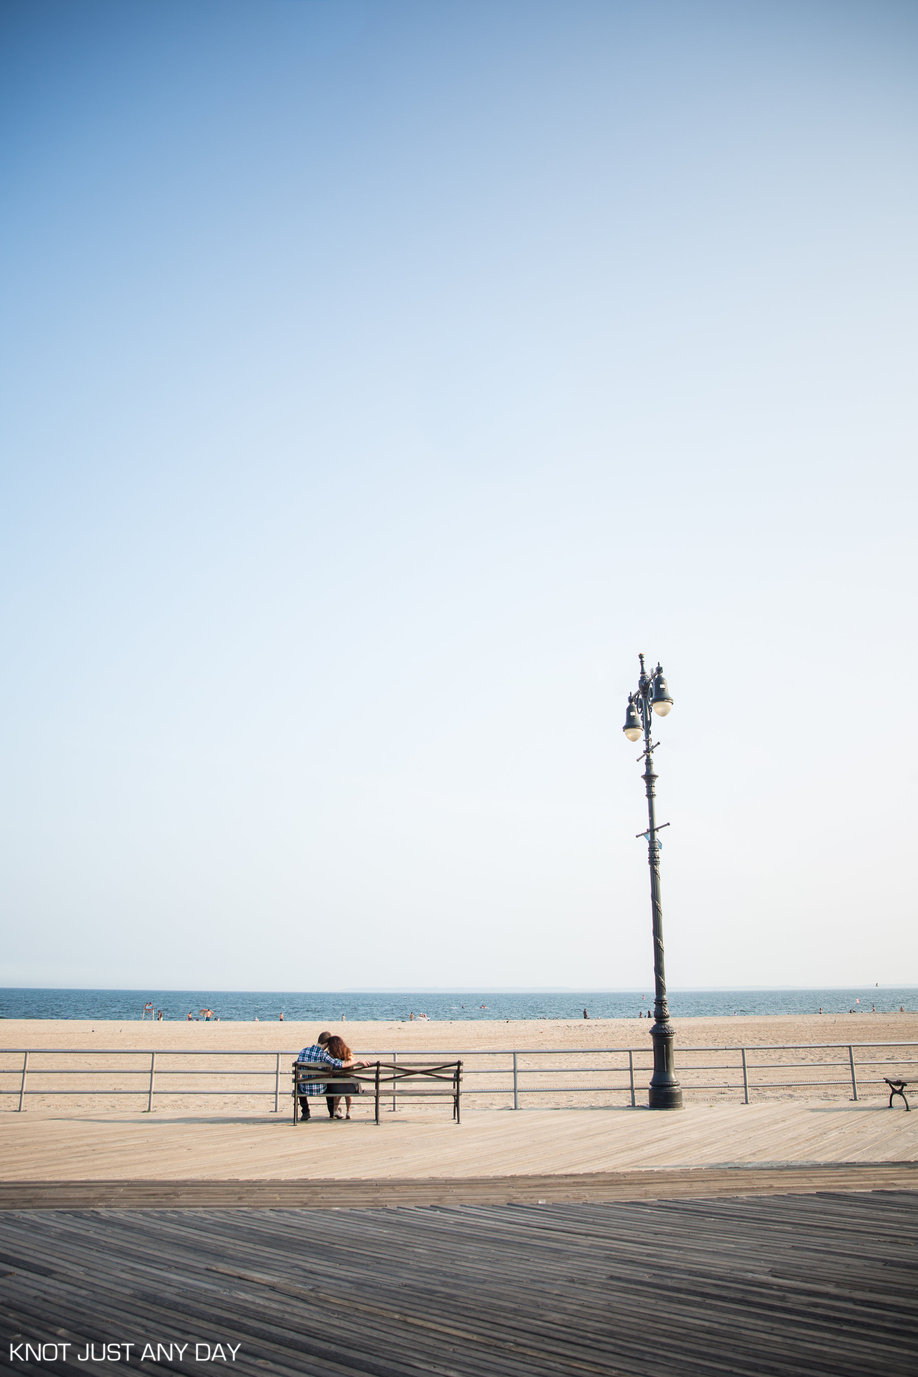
337 1047
316 1052
585 1014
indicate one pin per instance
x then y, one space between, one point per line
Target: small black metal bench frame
896 1088
383 1078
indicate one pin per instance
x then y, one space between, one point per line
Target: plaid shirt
311 1054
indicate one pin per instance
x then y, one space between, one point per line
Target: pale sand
457 1035
711 1074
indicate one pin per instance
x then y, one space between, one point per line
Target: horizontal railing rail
516 1075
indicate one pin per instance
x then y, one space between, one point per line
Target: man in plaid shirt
318 1053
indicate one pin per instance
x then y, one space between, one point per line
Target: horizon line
464 989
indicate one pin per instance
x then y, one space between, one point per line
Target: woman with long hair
337 1047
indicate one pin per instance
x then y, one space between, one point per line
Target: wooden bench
896 1088
433 1081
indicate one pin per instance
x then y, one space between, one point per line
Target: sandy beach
457 1035
577 1063
474 1034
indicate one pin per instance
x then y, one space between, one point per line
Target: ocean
388 1006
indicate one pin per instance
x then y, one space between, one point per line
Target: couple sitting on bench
328 1050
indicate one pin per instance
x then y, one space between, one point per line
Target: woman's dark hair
338 1047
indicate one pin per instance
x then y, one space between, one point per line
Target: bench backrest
377 1073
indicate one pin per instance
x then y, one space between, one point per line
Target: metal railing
614 1075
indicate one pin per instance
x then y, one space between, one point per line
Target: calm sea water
385 1005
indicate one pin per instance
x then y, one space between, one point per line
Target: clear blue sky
379 379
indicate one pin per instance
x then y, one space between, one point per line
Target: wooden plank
491 1144
321 1193
783 1286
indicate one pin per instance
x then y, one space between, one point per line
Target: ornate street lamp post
652 693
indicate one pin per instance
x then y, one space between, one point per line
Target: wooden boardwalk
784 1286
330 1193
502 1146
770 1240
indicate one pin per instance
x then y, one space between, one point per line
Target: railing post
853 1072
745 1077
277 1057
516 1083
631 1077
395 1060
22 1083
152 1073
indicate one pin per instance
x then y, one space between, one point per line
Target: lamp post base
664 1096
664 1091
